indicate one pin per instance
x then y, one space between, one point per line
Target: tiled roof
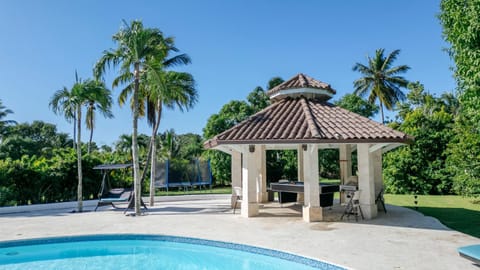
302 120
301 81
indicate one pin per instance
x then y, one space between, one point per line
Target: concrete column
366 181
300 163
377 172
236 169
300 174
249 182
311 209
345 162
345 152
261 156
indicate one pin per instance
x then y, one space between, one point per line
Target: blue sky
234 45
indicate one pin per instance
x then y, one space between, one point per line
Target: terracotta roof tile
302 120
301 81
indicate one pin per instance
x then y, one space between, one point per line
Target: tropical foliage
4 112
461 29
421 168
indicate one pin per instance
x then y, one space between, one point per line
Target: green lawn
456 212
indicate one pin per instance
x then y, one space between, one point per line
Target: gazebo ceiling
298 117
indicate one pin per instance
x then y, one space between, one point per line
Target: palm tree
381 80
176 89
69 102
99 98
4 112
139 50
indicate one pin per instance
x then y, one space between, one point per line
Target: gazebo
301 118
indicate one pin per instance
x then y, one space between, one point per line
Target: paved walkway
400 239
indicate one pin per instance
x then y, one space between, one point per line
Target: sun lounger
471 253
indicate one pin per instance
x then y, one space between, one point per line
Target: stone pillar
377 172
236 169
311 209
300 174
261 156
345 151
366 181
249 181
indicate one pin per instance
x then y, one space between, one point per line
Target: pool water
145 252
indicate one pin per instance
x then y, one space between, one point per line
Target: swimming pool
145 252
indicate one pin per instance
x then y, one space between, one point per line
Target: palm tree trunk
74 129
153 171
153 155
381 110
90 120
91 136
136 165
79 161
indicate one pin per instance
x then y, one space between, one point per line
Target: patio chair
353 205
238 197
471 253
381 200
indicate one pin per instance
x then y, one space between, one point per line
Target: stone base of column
249 209
312 214
369 210
262 197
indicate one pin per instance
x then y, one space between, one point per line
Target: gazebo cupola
302 86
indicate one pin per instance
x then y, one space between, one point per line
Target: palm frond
397 70
388 61
182 59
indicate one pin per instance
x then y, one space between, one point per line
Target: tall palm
172 90
381 80
69 103
4 112
160 89
139 50
99 98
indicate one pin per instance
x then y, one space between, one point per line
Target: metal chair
238 197
381 200
353 205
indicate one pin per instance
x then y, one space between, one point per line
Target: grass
456 212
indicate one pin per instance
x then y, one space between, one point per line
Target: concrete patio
400 239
